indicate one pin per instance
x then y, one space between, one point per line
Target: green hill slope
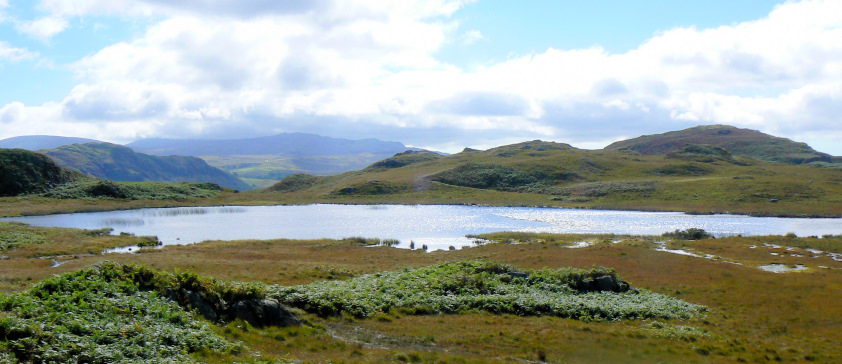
23 172
739 142
118 163
701 179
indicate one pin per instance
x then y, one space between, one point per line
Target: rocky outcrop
256 311
605 283
264 312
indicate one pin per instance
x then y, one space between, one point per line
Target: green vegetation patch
404 159
13 235
101 315
101 189
701 153
482 175
681 170
295 182
600 189
373 187
482 285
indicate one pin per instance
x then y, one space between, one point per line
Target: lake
437 226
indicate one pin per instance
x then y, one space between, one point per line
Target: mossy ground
753 315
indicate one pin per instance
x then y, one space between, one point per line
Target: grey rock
264 312
196 301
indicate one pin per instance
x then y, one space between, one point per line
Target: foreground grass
752 316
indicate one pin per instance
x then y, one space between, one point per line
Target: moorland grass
754 316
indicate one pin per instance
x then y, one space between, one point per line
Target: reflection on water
437 226
116 222
179 211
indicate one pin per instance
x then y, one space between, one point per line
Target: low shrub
101 315
481 285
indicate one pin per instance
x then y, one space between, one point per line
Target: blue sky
524 27
441 74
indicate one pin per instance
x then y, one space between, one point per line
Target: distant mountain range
738 142
119 163
265 160
36 142
258 161
288 144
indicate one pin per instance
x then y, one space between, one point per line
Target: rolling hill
119 163
25 172
694 178
739 142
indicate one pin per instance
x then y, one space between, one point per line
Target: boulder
264 312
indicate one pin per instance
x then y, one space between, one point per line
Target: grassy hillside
701 179
739 142
23 172
118 163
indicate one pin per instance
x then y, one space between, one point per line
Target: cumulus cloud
368 69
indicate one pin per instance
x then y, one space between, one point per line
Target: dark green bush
689 234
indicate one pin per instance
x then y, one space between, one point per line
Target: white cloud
44 28
14 54
368 69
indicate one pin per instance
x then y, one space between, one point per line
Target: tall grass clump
482 285
101 315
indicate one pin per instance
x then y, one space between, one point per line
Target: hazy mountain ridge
119 163
37 142
738 142
289 144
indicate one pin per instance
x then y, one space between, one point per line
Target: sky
436 74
